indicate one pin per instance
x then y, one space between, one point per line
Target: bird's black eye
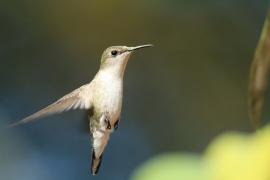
114 52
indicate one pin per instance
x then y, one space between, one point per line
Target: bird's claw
116 124
108 123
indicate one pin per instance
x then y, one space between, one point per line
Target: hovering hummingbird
102 98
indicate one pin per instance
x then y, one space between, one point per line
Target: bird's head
117 56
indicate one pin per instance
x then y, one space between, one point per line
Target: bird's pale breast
108 96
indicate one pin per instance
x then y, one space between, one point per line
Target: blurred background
178 96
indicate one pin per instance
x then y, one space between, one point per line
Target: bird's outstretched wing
77 99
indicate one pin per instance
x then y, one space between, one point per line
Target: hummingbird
101 98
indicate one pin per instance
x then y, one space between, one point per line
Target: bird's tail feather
100 140
96 162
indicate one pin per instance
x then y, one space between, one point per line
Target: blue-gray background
179 95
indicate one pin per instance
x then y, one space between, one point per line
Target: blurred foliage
235 156
259 74
231 156
171 166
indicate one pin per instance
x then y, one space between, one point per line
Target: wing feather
79 98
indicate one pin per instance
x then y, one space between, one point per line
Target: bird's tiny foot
108 123
116 124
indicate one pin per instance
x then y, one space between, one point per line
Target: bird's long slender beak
139 47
